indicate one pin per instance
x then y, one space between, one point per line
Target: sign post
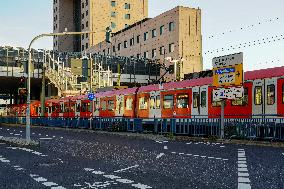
228 80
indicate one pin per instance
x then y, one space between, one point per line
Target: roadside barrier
257 128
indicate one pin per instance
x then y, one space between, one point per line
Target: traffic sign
91 96
228 60
228 76
228 93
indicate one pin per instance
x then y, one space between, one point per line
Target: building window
171 26
132 41
113 25
113 48
195 100
203 99
108 51
113 14
143 103
87 45
82 5
162 29
83 36
82 26
146 36
270 94
138 39
87 13
118 46
83 48
258 95
146 54
83 16
87 35
127 16
126 26
87 2
87 24
241 101
182 101
171 47
127 6
154 53
113 3
125 44
154 33
168 101
162 50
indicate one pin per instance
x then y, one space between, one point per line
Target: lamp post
28 116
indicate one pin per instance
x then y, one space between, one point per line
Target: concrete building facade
93 15
175 33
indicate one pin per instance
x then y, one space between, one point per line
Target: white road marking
27 150
222 146
33 133
189 154
160 155
243 175
17 134
44 182
165 147
181 153
39 134
173 152
4 160
88 169
53 136
283 154
189 143
121 170
21 131
45 138
119 179
61 137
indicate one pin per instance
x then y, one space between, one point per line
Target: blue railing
259 128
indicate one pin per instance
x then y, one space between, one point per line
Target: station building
175 34
93 15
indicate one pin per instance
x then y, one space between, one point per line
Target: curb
18 141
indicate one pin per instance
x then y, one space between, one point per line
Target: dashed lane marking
45 182
125 169
283 154
160 155
201 156
27 150
165 147
243 175
45 138
119 179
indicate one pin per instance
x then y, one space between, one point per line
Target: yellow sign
228 76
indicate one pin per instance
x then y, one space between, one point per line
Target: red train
263 94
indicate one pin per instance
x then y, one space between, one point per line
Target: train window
195 100
158 102
143 104
78 109
111 105
84 107
128 104
152 102
270 94
241 101
182 101
104 105
215 103
203 99
168 101
258 95
283 93
46 109
97 104
119 106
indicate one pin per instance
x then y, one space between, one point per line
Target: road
82 159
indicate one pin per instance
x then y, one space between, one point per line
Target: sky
253 27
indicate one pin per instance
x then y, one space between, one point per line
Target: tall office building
93 15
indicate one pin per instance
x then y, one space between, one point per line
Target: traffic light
108 35
22 91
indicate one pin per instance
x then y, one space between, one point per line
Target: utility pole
42 97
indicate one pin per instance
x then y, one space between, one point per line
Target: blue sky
238 20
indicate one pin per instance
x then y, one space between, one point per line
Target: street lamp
28 116
175 61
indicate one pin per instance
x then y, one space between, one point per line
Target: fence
242 128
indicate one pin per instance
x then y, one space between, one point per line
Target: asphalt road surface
73 159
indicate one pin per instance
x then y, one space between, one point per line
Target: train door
155 104
258 97
96 103
199 105
119 110
78 108
280 94
61 109
270 99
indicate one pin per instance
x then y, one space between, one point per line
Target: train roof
264 73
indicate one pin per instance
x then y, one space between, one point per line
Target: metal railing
239 128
